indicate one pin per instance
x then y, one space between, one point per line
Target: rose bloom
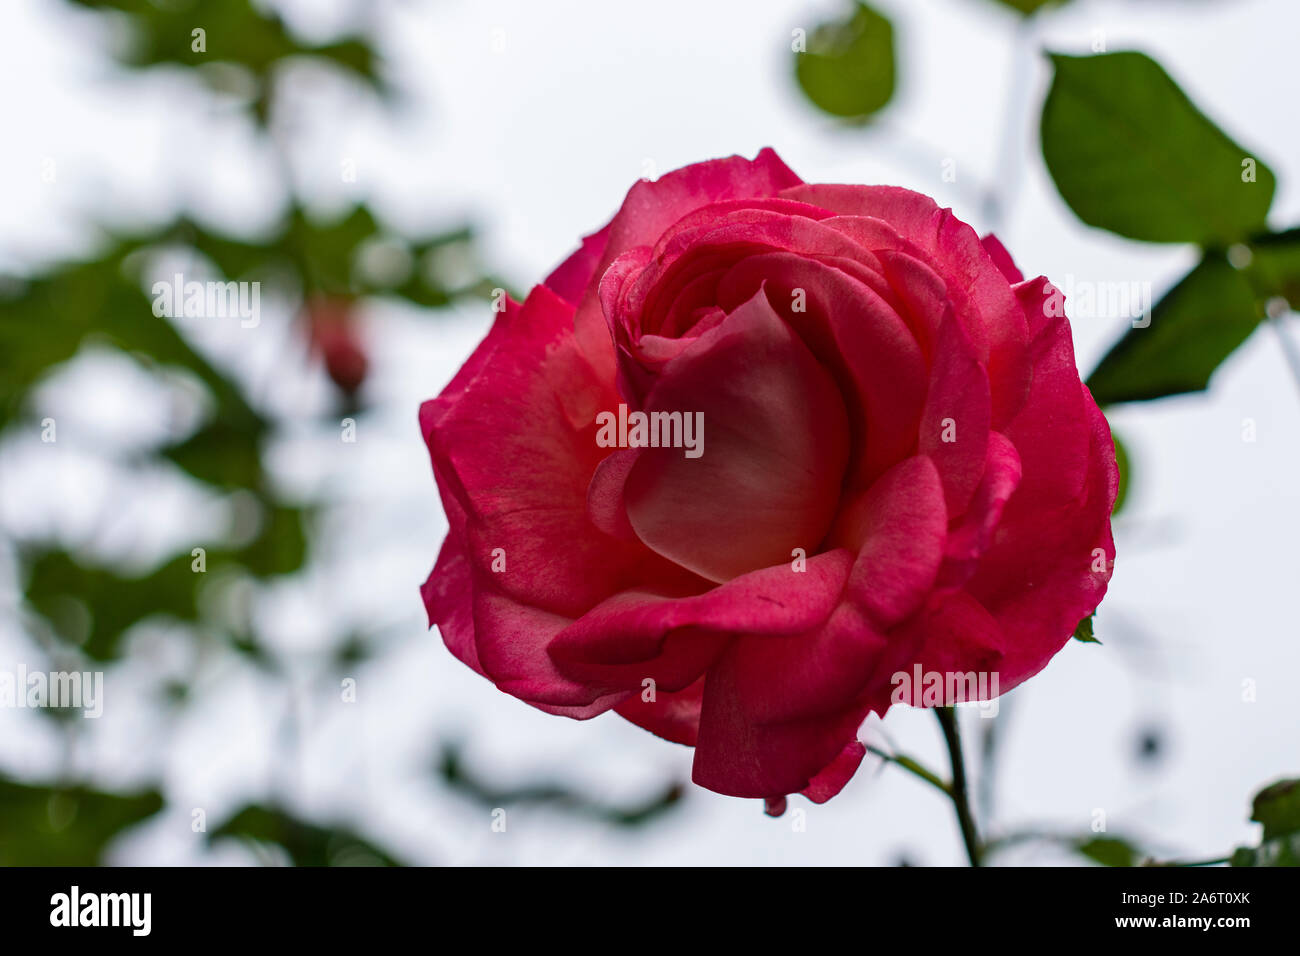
899 468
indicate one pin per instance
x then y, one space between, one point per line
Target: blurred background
231 519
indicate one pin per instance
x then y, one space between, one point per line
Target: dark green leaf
281 546
1275 265
114 601
1028 6
558 796
234 31
46 826
1131 153
306 843
1193 329
1083 632
1284 851
220 455
1109 851
1277 807
848 68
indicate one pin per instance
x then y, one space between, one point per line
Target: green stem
958 789
912 767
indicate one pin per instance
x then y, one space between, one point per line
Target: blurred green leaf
1193 329
1277 808
306 843
1284 851
1109 851
281 545
1275 265
325 250
114 601
46 826
454 773
848 68
227 31
1131 153
1028 6
47 317
117 601
220 454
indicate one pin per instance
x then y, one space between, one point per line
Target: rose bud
331 331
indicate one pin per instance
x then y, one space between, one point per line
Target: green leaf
848 68
1131 153
1284 851
1083 632
1275 264
47 826
1277 808
306 843
115 602
1193 329
234 31
1027 6
220 455
1123 463
454 773
281 546
1109 851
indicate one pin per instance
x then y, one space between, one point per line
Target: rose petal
773 455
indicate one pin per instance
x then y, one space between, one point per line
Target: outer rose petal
1001 258
674 716
519 466
1050 566
751 743
570 279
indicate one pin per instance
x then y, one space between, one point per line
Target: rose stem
960 801
911 766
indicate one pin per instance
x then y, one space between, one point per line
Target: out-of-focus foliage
306 844
79 605
1028 6
197 33
452 770
65 826
1108 851
1277 807
848 68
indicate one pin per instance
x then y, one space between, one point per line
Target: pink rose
898 472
